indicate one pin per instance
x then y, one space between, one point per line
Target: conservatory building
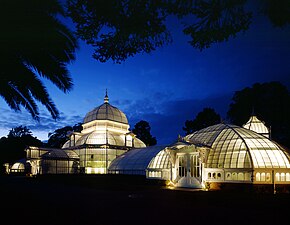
104 137
218 155
222 154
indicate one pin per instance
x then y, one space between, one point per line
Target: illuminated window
263 177
248 176
258 177
194 166
181 167
209 175
287 176
155 174
268 177
234 176
228 176
283 177
160 161
241 176
277 177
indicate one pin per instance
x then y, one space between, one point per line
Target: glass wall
236 147
97 160
136 161
57 166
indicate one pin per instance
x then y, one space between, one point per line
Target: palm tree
34 44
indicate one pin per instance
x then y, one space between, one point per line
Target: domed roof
106 112
135 161
95 138
257 125
138 143
237 147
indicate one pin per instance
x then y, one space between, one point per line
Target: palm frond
34 43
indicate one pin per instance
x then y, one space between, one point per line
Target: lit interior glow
257 125
237 147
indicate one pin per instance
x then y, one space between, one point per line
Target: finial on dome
106 99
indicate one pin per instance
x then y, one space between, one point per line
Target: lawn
116 199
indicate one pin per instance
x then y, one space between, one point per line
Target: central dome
106 112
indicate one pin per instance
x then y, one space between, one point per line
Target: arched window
283 178
268 177
181 166
234 176
228 176
258 177
241 176
194 166
248 176
209 175
263 177
287 176
277 176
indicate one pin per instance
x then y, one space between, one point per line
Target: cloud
11 119
167 117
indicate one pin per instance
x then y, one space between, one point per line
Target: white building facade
214 156
218 155
105 136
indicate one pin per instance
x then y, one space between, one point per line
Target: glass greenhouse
17 167
240 154
218 154
105 136
51 161
135 161
222 153
258 126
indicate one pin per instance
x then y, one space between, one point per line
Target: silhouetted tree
119 29
58 137
207 117
77 127
142 130
270 102
12 147
19 132
34 44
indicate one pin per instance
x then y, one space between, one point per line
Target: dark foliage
12 147
270 102
217 21
277 11
58 137
207 117
20 131
34 45
118 29
142 131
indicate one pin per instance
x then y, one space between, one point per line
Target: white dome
105 125
257 125
236 147
106 112
96 138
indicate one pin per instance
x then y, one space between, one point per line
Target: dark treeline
269 101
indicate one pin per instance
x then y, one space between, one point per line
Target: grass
120 199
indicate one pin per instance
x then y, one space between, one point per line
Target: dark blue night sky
168 86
